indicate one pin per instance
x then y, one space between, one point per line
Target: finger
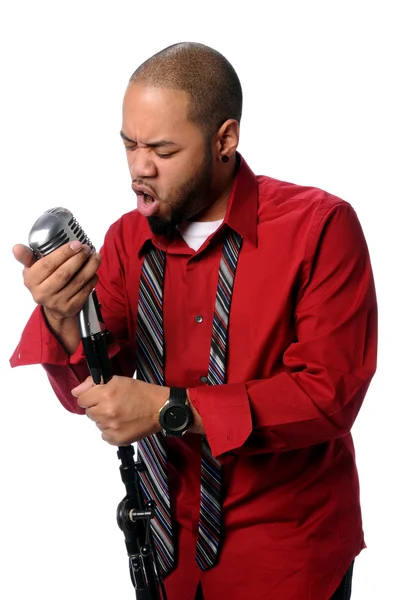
84 279
66 305
65 260
83 387
93 417
79 297
70 277
24 255
109 437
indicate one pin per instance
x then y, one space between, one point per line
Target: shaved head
205 74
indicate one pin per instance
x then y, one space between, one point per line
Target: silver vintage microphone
55 227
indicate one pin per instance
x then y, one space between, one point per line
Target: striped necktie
153 449
208 544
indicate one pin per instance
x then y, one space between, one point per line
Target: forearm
279 414
63 378
66 330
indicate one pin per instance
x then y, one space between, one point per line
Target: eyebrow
152 145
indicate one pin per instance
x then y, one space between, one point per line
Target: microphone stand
133 515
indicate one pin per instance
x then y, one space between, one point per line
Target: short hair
205 74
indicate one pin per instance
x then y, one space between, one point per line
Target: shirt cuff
39 346
226 416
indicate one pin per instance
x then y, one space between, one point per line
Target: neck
218 208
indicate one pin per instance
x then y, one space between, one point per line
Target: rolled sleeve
225 412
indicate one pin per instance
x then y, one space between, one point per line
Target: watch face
175 417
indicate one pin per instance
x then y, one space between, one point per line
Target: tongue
147 210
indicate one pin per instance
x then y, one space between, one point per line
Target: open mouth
147 204
148 199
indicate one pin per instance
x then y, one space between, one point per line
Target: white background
320 108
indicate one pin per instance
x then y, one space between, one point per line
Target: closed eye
164 155
159 154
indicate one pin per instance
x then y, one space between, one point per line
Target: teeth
147 199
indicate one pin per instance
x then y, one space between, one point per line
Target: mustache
140 182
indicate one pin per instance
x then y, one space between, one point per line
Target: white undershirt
195 233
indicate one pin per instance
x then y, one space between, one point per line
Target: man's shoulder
282 196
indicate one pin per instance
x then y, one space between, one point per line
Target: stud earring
225 158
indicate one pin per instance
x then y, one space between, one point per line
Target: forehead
147 109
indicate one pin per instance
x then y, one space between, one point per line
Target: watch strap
178 394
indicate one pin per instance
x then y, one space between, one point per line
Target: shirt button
203 379
198 318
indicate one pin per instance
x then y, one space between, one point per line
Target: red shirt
301 355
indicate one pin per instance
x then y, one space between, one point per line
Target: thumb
83 387
24 255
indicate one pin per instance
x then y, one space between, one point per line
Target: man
250 303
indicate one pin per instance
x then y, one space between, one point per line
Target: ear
227 138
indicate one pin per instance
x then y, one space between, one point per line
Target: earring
225 158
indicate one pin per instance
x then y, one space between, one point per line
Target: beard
192 197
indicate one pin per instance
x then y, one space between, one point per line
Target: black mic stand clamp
133 519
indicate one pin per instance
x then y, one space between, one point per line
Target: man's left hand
124 409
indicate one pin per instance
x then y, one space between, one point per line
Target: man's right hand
60 282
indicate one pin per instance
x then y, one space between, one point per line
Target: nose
141 163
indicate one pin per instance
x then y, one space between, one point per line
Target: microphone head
55 227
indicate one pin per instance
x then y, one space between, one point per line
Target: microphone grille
55 227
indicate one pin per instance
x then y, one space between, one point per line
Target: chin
160 226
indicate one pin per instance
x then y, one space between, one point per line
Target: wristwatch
175 416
